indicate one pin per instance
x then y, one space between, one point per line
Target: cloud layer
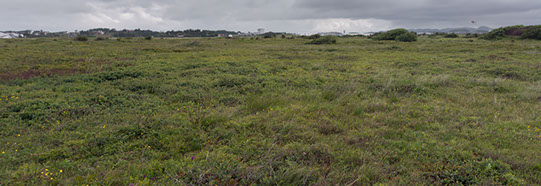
301 16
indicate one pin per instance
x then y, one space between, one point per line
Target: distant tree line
150 33
106 32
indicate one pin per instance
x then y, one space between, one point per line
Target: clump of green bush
323 40
81 38
315 36
436 35
397 35
533 32
469 35
409 37
517 31
148 38
451 35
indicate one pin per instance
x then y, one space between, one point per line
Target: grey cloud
415 9
288 15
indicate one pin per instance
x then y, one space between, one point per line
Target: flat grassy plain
269 111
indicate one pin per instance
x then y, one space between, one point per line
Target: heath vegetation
270 111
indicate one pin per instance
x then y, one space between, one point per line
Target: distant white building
245 34
9 35
260 31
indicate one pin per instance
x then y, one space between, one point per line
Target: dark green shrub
148 38
101 39
533 32
436 35
397 35
389 35
407 37
81 38
468 35
323 40
315 36
504 32
451 35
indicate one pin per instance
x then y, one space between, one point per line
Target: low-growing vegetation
516 32
469 35
81 38
451 35
323 40
396 35
270 112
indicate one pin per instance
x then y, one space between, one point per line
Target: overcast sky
299 16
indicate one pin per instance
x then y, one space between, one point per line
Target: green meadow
270 112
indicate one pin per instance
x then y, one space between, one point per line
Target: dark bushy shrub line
533 32
451 35
323 40
81 38
397 35
436 35
408 37
474 35
520 31
315 36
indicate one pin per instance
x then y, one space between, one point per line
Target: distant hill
461 30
